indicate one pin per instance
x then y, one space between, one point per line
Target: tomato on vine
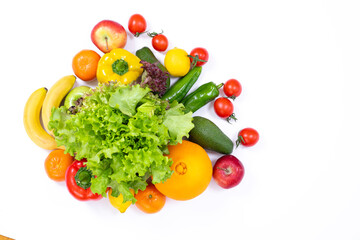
224 108
232 88
199 56
137 24
247 137
159 41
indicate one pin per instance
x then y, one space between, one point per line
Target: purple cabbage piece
154 78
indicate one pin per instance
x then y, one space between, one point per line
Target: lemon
177 62
117 202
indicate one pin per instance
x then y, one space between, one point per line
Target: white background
298 63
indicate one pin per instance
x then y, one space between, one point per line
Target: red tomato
247 137
201 53
224 108
137 24
232 88
160 42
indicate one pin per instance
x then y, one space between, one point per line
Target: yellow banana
54 97
32 122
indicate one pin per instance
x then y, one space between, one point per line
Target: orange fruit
192 171
85 64
150 200
56 164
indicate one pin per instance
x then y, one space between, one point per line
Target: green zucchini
209 136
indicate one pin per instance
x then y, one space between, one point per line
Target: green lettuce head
123 131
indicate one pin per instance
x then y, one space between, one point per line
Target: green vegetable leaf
123 188
178 123
123 132
126 98
99 185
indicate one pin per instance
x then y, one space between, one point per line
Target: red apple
228 171
107 35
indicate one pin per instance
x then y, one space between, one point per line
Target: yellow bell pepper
117 202
119 65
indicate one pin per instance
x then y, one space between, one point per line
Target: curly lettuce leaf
123 132
126 99
178 123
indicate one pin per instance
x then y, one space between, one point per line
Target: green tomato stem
231 117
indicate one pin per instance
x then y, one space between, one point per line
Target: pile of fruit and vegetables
133 138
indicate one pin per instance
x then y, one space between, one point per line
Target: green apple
74 95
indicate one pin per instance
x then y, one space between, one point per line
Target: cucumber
209 136
147 55
182 86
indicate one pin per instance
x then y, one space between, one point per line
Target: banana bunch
38 109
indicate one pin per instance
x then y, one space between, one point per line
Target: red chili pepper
78 181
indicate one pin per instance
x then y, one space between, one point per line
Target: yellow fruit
32 121
117 202
177 62
54 97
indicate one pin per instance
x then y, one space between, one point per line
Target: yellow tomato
117 202
177 62
192 172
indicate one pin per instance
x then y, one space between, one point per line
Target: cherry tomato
137 24
247 137
160 42
150 200
232 88
201 54
224 108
